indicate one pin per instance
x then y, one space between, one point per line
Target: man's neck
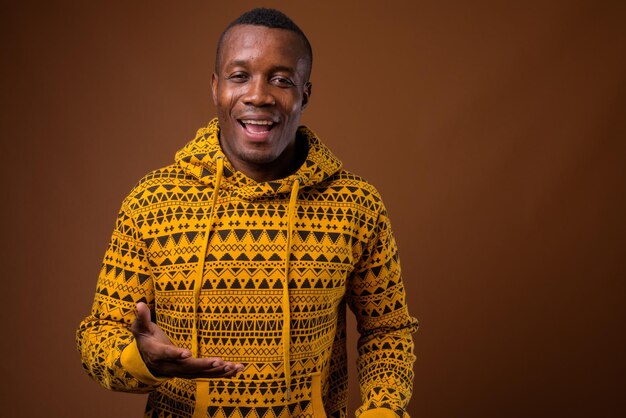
287 163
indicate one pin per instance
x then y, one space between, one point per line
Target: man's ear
214 88
306 94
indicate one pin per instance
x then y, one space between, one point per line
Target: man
224 287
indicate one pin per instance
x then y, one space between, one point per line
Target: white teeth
258 122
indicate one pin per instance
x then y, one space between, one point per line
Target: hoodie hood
199 159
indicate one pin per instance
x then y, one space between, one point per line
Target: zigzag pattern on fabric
342 252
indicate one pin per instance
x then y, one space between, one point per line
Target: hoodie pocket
316 396
213 395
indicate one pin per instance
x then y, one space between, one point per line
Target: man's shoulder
349 179
347 183
155 186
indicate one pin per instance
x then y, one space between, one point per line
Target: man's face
260 88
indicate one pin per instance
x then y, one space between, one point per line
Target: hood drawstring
293 198
286 334
219 160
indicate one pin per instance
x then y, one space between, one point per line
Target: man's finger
172 352
203 367
171 361
142 321
222 369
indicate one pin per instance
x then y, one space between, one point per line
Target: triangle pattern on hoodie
341 252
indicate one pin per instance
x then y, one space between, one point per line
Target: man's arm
121 348
377 297
107 346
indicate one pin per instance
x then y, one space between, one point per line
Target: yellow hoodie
259 274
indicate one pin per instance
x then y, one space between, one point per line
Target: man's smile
257 129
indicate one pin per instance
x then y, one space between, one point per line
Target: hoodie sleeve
108 350
377 297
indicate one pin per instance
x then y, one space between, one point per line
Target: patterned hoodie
259 274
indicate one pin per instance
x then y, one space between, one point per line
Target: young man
223 290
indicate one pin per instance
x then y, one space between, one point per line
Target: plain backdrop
495 131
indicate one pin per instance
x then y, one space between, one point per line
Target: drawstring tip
288 394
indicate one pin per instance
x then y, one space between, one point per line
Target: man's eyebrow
244 63
237 63
284 68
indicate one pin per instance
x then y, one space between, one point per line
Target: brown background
495 131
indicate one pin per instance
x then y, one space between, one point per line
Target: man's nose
259 94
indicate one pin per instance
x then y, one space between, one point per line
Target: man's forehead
253 37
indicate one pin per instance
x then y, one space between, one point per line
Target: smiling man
224 288
260 87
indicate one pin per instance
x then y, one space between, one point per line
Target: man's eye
238 77
282 82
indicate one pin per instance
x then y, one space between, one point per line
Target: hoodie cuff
133 364
381 413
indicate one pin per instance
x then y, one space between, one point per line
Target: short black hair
270 18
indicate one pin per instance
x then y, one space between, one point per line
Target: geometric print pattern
341 254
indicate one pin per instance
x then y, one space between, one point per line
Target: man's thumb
142 322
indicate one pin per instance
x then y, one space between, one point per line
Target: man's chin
257 157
